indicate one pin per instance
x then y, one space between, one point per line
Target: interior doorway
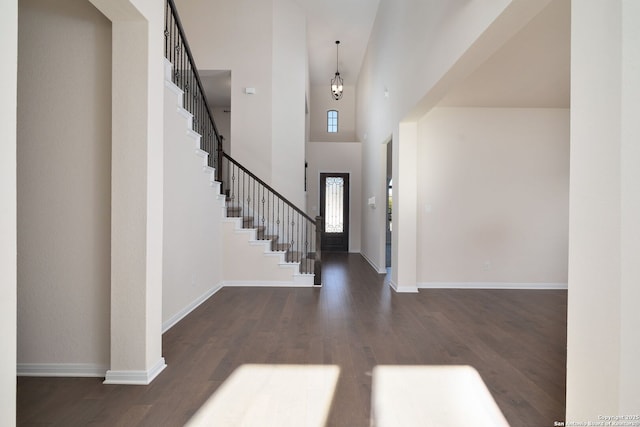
389 204
334 209
217 88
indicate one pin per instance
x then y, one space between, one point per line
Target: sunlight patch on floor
271 395
444 396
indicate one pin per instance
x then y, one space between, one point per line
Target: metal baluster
241 196
286 229
233 183
300 240
261 218
273 214
278 219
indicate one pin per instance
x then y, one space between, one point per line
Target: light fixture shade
337 84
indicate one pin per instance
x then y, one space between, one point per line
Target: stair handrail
268 187
178 52
198 105
273 216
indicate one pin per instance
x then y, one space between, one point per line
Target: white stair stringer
192 248
196 137
247 261
251 262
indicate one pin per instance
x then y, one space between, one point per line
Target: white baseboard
492 285
403 289
135 377
188 309
61 370
373 264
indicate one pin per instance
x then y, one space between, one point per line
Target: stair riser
306 264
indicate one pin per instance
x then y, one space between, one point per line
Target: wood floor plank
515 339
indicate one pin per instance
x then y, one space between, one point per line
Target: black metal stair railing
186 77
289 229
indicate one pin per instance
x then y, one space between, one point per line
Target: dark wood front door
334 209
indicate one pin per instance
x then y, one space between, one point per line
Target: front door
334 209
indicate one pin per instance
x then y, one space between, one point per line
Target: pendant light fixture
336 81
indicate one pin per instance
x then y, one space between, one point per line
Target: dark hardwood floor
515 339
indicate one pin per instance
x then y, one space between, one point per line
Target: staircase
251 257
249 222
252 211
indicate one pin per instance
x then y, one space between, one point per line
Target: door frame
344 246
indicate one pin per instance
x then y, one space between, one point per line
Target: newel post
317 281
219 160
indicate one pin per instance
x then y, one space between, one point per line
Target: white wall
604 238
64 161
417 51
264 45
8 245
390 66
288 105
493 186
630 205
337 157
237 36
192 255
136 189
321 102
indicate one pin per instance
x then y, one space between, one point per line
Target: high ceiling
530 70
349 21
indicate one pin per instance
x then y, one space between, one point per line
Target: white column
8 225
604 232
630 216
405 217
136 189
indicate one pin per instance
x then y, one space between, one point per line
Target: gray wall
64 163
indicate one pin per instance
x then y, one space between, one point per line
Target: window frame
331 126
